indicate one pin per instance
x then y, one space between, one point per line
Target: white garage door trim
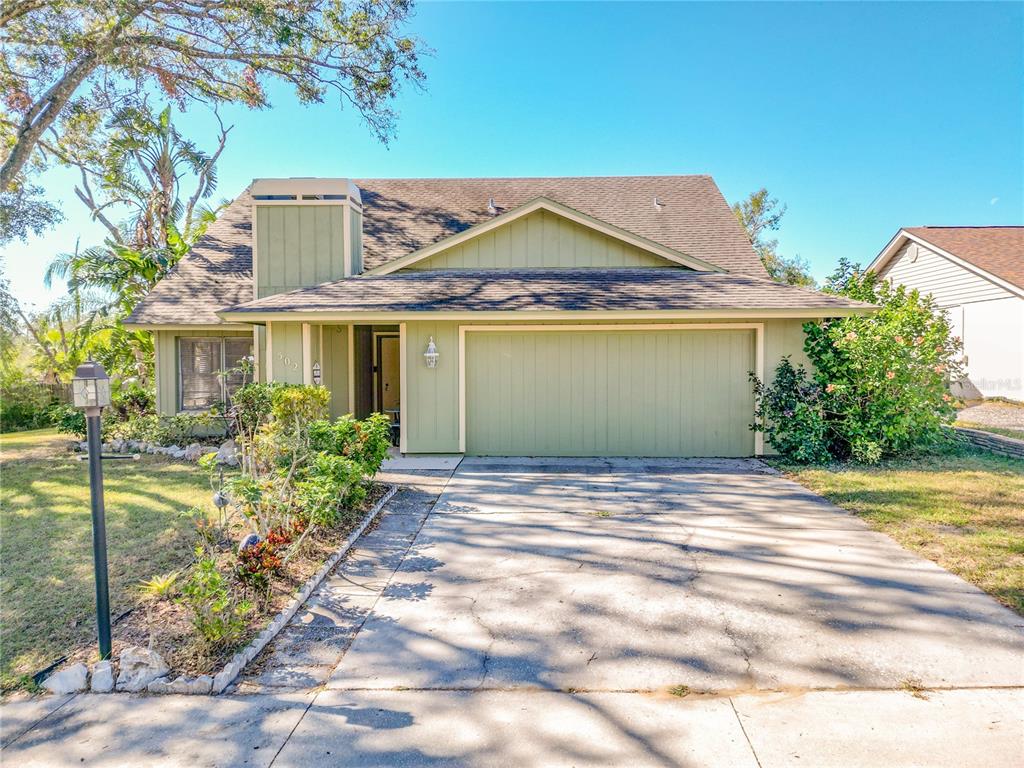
758 329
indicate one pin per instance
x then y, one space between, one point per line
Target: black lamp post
91 389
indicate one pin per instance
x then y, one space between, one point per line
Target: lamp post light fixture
91 390
431 355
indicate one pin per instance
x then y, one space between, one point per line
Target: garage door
609 393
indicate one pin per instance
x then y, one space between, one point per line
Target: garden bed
166 626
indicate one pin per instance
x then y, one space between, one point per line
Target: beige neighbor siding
431 398
917 266
541 239
298 246
167 369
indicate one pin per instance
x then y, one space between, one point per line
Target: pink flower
946 398
939 368
830 388
899 339
851 336
918 340
890 374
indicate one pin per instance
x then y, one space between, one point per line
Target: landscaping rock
68 680
178 454
228 454
83 446
193 452
102 677
140 667
197 686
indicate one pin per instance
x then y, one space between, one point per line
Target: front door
389 393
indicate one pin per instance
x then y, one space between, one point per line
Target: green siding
541 239
166 345
335 368
298 246
431 418
286 348
614 393
356 241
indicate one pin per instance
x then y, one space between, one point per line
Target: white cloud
993 201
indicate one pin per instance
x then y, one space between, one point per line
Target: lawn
46 575
965 511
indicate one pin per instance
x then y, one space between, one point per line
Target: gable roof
401 216
997 251
642 289
542 203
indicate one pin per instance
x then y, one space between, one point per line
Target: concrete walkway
544 613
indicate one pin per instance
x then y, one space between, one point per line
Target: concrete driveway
619 576
543 613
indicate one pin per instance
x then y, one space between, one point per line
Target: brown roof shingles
580 290
404 215
997 250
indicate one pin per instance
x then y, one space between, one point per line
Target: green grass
1004 431
963 510
46 576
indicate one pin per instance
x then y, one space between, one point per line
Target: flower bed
303 486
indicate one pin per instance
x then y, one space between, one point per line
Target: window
202 364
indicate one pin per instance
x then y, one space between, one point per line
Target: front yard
46 574
963 511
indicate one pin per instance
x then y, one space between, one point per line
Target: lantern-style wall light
317 373
431 355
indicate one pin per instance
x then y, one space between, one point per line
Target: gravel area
1005 415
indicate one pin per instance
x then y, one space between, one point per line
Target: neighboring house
975 274
570 316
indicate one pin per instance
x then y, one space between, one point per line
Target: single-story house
611 316
976 275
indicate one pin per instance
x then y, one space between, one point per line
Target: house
508 316
976 275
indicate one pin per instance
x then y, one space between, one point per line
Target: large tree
65 65
761 214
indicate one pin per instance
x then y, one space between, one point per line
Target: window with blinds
209 372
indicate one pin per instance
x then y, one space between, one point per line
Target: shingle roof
404 215
997 250
667 288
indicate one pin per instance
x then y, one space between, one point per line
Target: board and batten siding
917 266
165 345
298 246
541 239
431 396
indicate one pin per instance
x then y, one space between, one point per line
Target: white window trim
758 329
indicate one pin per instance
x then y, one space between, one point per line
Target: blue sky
861 117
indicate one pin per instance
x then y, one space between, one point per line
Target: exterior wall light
431 355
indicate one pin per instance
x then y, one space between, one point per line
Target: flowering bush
882 379
790 412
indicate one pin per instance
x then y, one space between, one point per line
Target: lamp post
91 389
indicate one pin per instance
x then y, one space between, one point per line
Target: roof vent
491 207
658 205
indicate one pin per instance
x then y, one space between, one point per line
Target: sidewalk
962 728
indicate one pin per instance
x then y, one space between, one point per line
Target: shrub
69 420
365 442
790 412
217 613
24 403
881 381
129 400
330 486
886 375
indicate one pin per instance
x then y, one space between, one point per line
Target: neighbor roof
404 215
581 290
997 250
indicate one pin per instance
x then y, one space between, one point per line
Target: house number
288 362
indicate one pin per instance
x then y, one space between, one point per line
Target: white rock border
233 668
